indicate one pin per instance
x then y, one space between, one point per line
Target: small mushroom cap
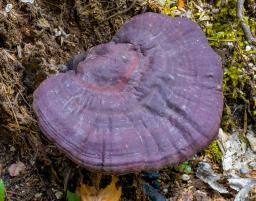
149 98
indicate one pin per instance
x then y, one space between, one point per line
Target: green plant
185 168
2 190
71 196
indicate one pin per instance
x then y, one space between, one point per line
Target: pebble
165 190
188 14
254 77
38 195
27 1
248 48
8 7
250 64
185 177
252 164
58 195
12 149
215 10
230 44
57 32
252 140
63 68
244 170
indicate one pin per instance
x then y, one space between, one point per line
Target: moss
235 80
214 152
219 22
224 32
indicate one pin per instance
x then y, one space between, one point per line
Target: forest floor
36 37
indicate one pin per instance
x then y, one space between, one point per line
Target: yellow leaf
110 193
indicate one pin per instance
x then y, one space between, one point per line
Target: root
123 11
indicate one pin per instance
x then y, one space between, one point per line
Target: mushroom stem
96 180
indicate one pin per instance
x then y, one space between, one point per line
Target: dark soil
34 40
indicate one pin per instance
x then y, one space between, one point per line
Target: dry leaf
181 5
110 193
16 169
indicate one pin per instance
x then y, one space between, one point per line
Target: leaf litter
35 38
16 169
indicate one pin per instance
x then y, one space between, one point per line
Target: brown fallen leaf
16 169
110 193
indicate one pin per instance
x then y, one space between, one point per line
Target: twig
245 27
66 180
123 11
11 106
113 9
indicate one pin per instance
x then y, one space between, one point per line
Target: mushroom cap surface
149 98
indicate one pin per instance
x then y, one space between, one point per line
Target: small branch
245 27
240 6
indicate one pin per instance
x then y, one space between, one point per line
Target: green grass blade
2 191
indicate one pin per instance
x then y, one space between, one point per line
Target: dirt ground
35 38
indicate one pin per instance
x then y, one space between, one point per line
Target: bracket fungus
149 98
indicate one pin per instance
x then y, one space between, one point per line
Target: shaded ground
36 38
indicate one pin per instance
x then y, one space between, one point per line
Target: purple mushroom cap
149 98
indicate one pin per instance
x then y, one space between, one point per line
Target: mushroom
149 98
